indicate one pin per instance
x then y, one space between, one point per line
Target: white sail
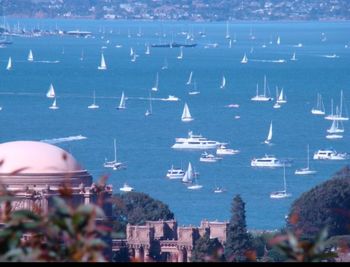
155 87
189 81
244 59
269 136
227 36
223 82
54 105
278 40
122 102
186 115
188 177
293 57
339 114
51 92
148 51
9 64
30 56
281 98
103 65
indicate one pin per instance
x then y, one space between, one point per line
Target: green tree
137 208
238 246
326 205
207 250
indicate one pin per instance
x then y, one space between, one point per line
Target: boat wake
47 61
64 139
269 61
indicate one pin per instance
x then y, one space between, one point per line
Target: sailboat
306 171
244 59
193 183
339 113
262 97
227 36
103 65
293 58
114 164
189 174
319 109
82 55
180 56
122 102
194 91
54 105
186 115
223 82
9 64
277 105
335 127
269 136
93 105
30 56
189 81
148 51
51 92
281 98
278 40
165 65
155 87
149 111
283 193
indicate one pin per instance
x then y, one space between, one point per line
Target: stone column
180 255
146 257
189 254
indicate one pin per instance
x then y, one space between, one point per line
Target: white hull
336 118
304 171
195 146
195 187
334 136
329 155
267 165
280 194
317 112
226 151
261 98
93 106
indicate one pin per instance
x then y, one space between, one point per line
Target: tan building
166 241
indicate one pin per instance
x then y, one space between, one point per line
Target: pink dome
32 157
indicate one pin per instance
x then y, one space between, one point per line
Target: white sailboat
186 115
189 81
189 174
278 42
319 109
307 170
339 114
293 58
281 98
269 135
93 105
149 111
30 56
148 51
51 92
283 193
155 87
335 128
194 90
227 36
114 164
9 64
165 65
54 105
223 82
244 59
122 102
263 97
103 65
180 56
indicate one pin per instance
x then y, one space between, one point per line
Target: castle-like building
165 241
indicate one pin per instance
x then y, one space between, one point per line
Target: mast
308 160
264 85
115 151
284 179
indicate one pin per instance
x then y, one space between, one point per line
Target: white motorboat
206 157
195 142
222 150
269 161
218 190
126 188
171 98
175 173
330 154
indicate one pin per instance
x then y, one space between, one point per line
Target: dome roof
32 157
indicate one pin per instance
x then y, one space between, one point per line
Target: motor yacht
195 142
269 161
175 173
222 150
330 154
206 157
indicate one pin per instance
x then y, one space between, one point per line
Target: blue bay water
144 143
